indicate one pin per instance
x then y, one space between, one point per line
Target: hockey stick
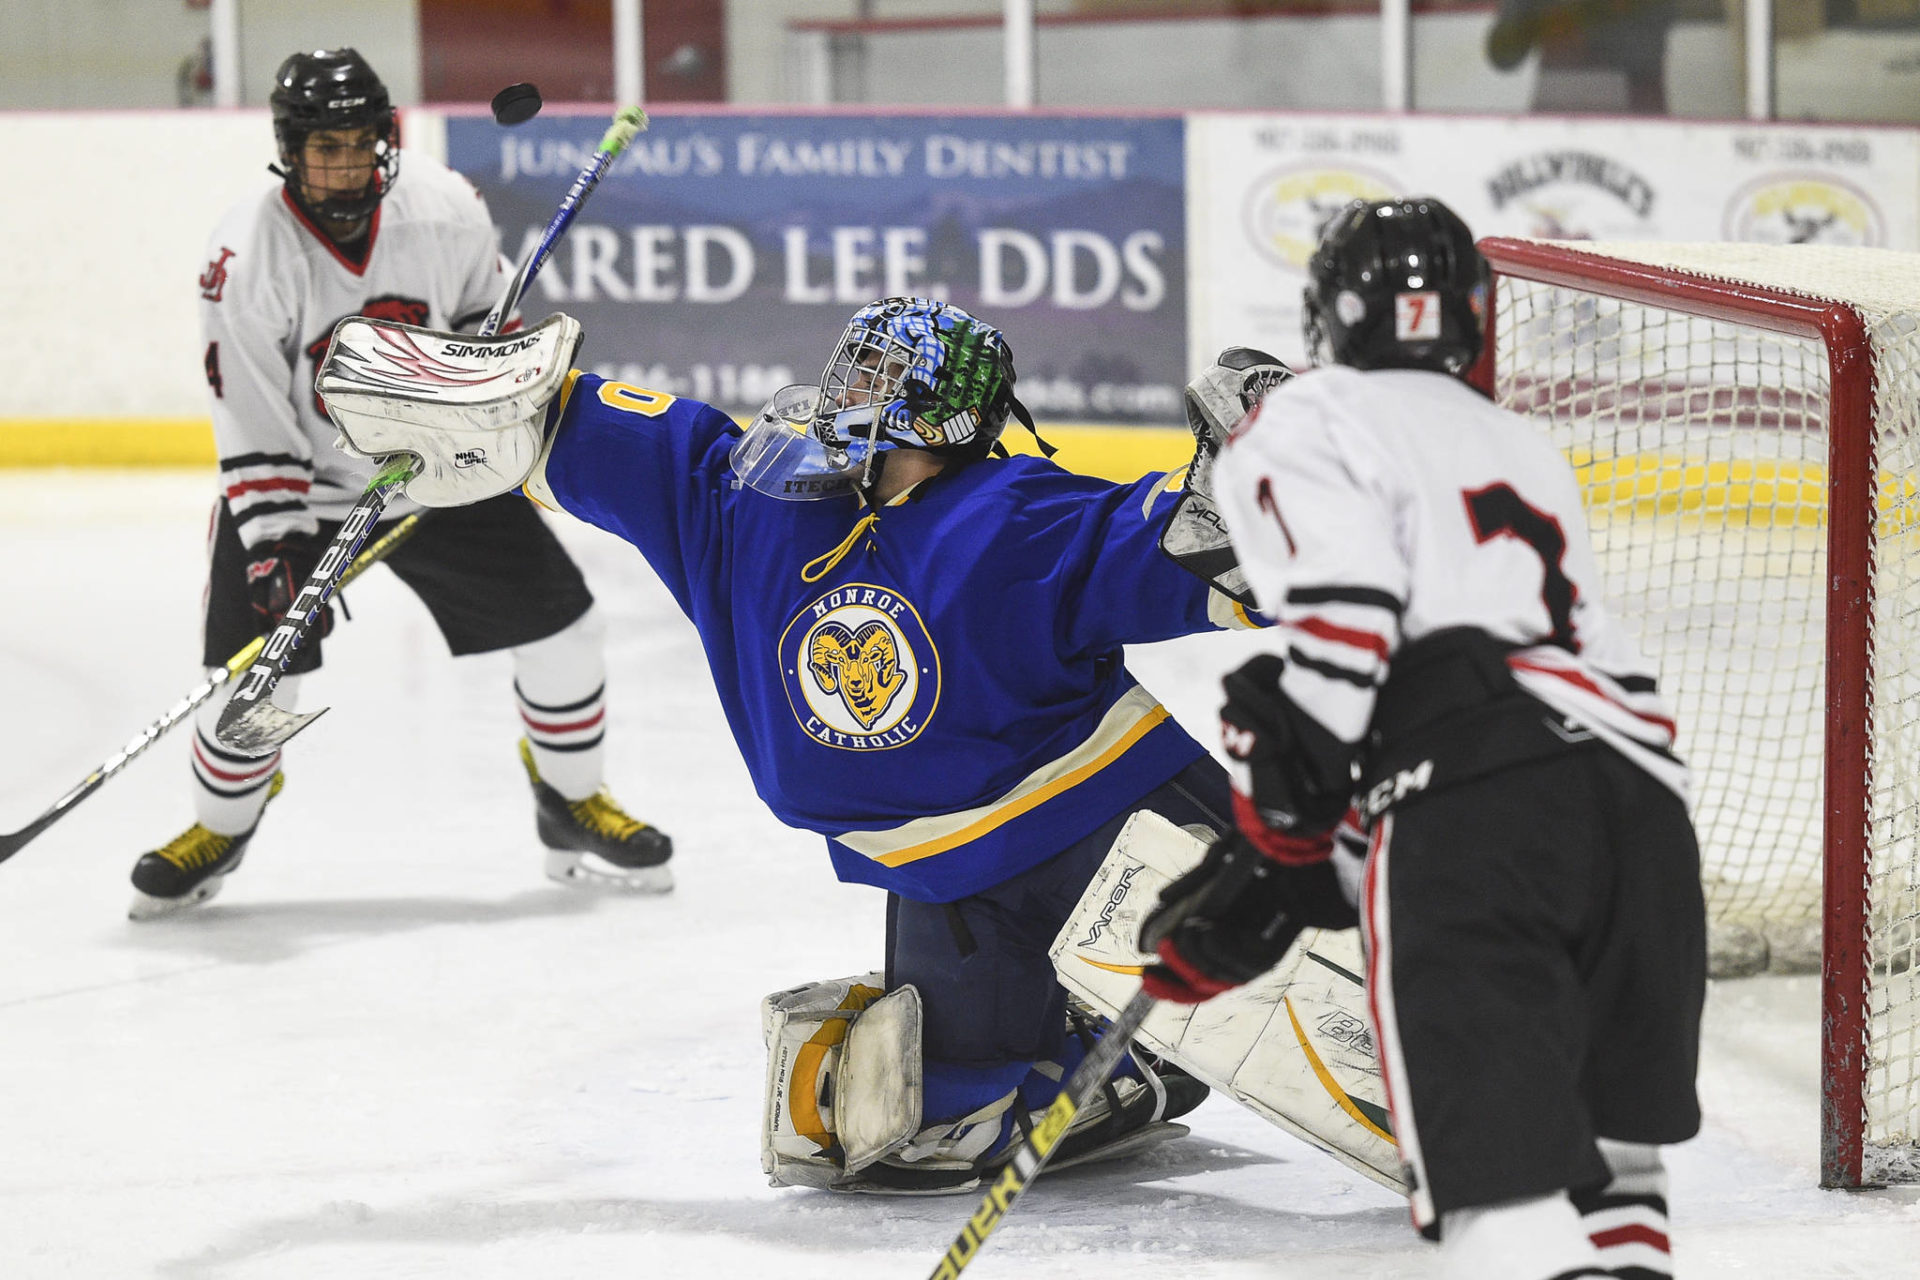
14 841
250 723
1087 1079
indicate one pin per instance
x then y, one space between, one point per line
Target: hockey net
1745 421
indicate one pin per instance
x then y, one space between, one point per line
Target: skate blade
147 907
861 1187
1130 1144
582 871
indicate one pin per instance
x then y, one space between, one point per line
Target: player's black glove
1231 918
275 573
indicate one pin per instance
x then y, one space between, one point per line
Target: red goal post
1746 423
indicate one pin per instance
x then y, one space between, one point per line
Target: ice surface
391 1049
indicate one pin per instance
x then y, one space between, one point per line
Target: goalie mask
911 373
1397 284
779 456
341 178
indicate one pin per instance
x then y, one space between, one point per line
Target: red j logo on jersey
213 281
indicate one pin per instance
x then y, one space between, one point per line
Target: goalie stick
251 724
1012 1181
13 841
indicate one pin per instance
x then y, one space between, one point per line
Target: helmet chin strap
1021 412
319 213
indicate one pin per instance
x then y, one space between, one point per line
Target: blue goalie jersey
936 687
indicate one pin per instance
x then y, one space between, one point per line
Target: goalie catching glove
472 410
1195 538
1234 916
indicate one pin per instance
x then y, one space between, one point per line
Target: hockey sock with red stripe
560 688
1627 1218
230 789
1542 1238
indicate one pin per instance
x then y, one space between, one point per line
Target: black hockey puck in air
516 104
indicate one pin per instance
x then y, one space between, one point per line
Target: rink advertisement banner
722 255
1262 186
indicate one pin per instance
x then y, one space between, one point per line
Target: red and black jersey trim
1332 671
239 460
1347 595
262 509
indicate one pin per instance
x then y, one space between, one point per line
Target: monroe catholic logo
387 307
213 281
1286 208
861 672
1804 208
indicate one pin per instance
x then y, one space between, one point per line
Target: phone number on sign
729 385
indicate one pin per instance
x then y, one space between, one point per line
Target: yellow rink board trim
106 442
1752 491
1117 453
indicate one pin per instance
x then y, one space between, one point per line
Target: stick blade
13 842
260 728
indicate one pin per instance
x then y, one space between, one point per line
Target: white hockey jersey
274 287
1372 509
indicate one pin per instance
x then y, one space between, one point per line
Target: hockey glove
275 573
1232 918
1292 779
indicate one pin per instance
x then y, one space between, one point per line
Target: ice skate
594 843
1131 1113
190 868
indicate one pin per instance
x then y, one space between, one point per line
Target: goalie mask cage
1744 423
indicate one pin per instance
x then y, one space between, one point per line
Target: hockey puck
516 104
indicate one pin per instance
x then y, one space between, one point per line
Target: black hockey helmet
333 89
1396 284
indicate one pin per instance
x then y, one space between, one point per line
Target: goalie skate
594 843
190 868
1128 1115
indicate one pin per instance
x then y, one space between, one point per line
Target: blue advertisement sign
723 254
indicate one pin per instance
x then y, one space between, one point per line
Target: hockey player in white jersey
1530 902
349 231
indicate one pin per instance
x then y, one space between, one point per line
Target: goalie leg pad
843 1079
1295 1045
881 1079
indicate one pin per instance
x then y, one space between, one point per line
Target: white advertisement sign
1261 186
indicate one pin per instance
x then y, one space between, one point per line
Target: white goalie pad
471 409
844 1077
1294 1045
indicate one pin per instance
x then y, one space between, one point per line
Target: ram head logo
862 666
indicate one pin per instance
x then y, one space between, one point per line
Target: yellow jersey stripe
1126 722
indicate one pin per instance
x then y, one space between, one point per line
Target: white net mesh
1703 447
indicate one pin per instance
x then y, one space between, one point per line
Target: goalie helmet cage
1744 423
